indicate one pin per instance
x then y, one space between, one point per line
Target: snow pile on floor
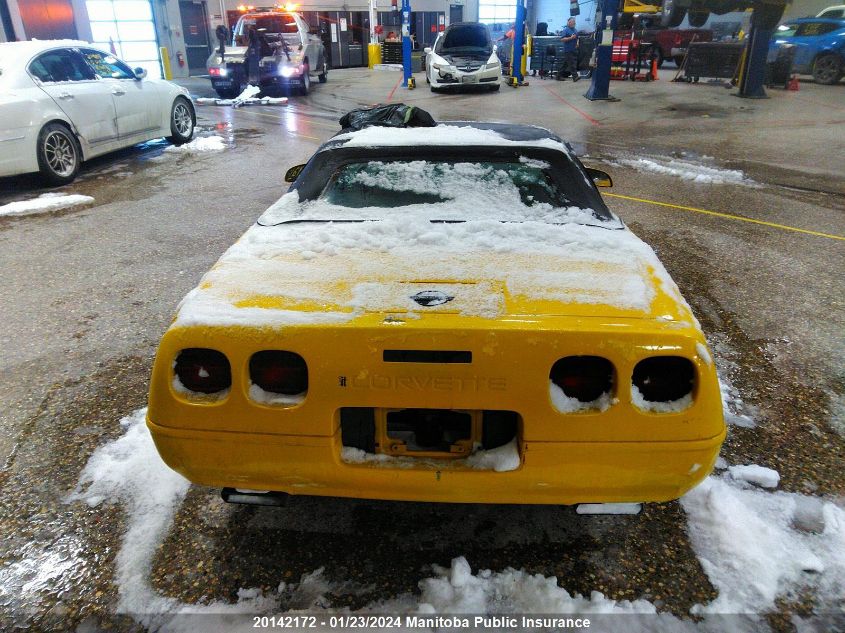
732 404
199 145
244 102
687 170
45 202
757 546
458 590
736 411
756 475
130 471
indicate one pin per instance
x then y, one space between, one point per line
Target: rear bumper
550 472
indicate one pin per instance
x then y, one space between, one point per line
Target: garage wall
470 6
555 13
808 8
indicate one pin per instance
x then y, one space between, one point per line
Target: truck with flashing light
288 54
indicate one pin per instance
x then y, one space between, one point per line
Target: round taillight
203 370
279 372
664 378
585 378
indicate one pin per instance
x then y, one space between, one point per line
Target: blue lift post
753 72
600 85
406 43
518 44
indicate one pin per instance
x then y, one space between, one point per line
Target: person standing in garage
253 55
569 37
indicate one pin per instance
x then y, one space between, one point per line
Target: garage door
126 27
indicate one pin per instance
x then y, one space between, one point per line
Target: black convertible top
510 133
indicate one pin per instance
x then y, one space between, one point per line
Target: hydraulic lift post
752 73
518 43
406 43
605 22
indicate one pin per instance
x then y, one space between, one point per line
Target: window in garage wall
496 12
127 27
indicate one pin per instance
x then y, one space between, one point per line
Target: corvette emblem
429 298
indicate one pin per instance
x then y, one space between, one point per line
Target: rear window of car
392 184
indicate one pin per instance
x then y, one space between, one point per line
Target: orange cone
792 84
654 69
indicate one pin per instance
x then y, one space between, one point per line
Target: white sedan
463 55
62 102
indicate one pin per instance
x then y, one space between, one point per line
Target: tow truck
290 54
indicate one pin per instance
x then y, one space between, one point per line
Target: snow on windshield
449 191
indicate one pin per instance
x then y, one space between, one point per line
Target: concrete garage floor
86 293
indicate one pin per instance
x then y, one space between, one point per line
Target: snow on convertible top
451 133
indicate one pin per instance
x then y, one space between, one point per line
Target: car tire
59 154
673 15
827 69
323 77
305 87
698 17
435 89
183 120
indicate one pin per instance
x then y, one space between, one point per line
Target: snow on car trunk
278 274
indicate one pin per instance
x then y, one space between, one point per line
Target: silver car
63 101
463 55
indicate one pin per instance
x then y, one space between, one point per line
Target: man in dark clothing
569 37
253 55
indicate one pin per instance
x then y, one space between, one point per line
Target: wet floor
87 292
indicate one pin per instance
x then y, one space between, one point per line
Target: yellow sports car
447 313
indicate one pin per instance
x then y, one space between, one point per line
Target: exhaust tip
254 497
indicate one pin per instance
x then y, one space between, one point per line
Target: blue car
819 47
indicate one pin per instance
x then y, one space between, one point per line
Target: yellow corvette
439 314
